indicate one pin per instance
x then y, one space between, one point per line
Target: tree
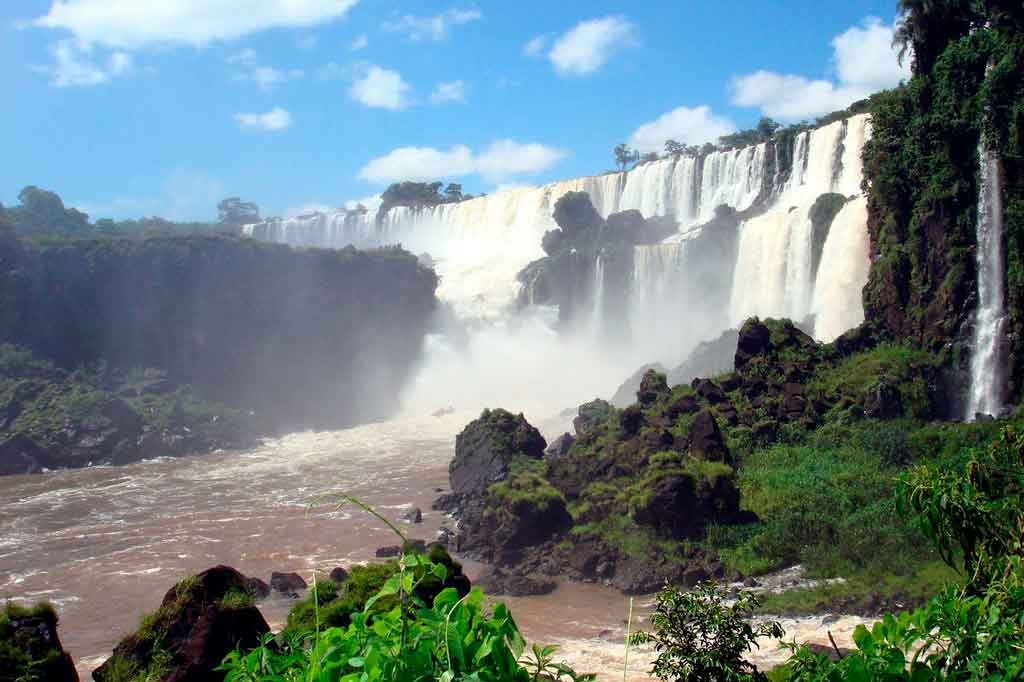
43 210
625 156
234 211
925 27
766 128
674 148
453 192
700 637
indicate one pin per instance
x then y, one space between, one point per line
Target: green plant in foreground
700 637
451 639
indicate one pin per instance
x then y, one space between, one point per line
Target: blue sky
130 108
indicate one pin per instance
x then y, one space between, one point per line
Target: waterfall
988 362
773 266
597 312
679 294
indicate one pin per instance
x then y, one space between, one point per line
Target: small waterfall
988 363
597 312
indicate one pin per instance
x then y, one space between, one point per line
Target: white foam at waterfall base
487 354
988 362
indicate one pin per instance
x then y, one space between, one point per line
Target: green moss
338 602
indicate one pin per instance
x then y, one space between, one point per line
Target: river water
104 544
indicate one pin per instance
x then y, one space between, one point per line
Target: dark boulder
592 414
338 575
197 625
559 447
499 581
575 213
709 390
653 387
883 401
625 395
414 515
287 583
30 648
387 551
706 440
754 339
486 447
686 404
19 454
552 241
630 421
257 588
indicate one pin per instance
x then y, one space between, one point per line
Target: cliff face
303 338
922 177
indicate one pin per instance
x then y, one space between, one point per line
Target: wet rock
686 404
653 386
754 339
706 440
559 447
574 213
709 390
591 414
19 454
32 634
630 421
388 551
257 588
486 447
883 401
414 515
694 575
195 626
750 582
414 545
499 581
287 583
338 575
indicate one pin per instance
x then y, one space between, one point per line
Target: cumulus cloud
74 66
453 91
434 28
272 121
864 62
535 46
587 46
683 124
359 42
130 24
265 77
380 88
501 160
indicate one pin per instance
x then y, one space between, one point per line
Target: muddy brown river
104 544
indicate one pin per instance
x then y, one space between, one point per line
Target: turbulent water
988 363
479 245
104 544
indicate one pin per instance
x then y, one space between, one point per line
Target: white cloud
502 159
590 44
359 42
864 62
683 124
535 46
434 28
454 91
506 158
380 88
272 121
265 77
73 67
131 24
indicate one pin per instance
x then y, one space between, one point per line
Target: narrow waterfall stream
988 363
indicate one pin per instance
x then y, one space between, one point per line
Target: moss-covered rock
30 650
200 620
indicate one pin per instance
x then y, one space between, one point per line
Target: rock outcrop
30 648
200 620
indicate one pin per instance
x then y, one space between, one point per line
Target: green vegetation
701 637
26 653
416 194
334 604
